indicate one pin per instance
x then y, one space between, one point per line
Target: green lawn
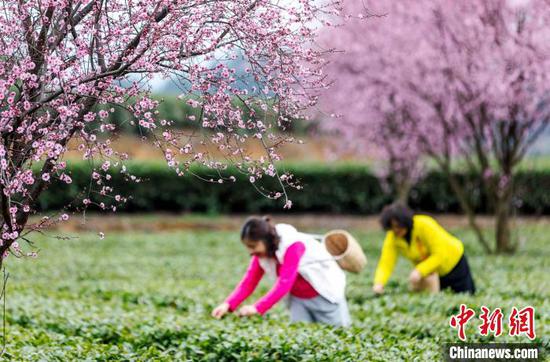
148 297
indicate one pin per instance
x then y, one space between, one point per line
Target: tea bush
145 296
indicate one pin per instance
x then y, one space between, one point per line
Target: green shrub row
343 188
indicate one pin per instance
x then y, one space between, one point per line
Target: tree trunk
403 189
504 244
465 206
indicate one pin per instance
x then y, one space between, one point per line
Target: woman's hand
220 310
378 289
247 311
415 277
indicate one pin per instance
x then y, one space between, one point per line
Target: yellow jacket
432 249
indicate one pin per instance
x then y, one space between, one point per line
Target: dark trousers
459 279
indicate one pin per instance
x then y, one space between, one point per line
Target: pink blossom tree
473 77
67 64
370 113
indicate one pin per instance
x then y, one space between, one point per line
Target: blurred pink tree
67 64
463 83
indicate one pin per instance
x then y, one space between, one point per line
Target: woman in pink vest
303 268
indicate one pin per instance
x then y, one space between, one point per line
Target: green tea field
137 296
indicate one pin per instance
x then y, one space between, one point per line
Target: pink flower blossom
67 86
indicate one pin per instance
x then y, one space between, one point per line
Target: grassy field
147 296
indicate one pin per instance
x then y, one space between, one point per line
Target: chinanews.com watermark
493 352
520 322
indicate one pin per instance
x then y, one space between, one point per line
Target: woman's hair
258 228
399 212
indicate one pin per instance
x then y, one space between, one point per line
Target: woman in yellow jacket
438 256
